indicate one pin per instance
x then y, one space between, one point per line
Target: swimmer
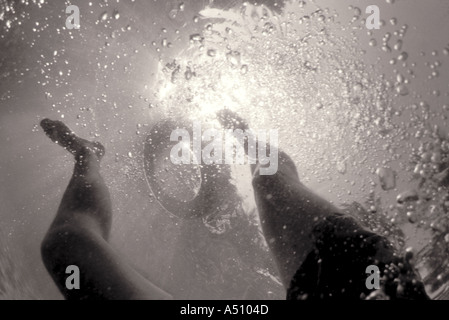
80 231
320 252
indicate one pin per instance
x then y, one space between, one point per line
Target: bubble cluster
291 68
363 116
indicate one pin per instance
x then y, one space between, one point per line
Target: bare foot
231 120
59 133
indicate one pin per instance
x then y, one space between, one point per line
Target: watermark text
226 147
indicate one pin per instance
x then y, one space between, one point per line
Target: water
361 111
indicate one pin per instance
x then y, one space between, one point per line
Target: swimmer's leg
288 210
79 233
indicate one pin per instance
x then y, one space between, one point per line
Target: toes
47 124
49 128
58 132
226 117
230 119
52 127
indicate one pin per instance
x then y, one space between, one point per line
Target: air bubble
188 74
446 238
233 57
104 16
387 178
402 90
358 87
386 48
341 167
196 37
407 196
398 45
411 217
173 14
211 52
403 56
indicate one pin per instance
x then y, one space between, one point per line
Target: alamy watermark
72 281
373 280
373 21
226 147
72 21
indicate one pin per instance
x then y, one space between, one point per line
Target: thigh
103 273
336 269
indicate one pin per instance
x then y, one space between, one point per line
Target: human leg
322 253
288 210
79 233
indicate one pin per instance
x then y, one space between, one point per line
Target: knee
51 247
57 246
